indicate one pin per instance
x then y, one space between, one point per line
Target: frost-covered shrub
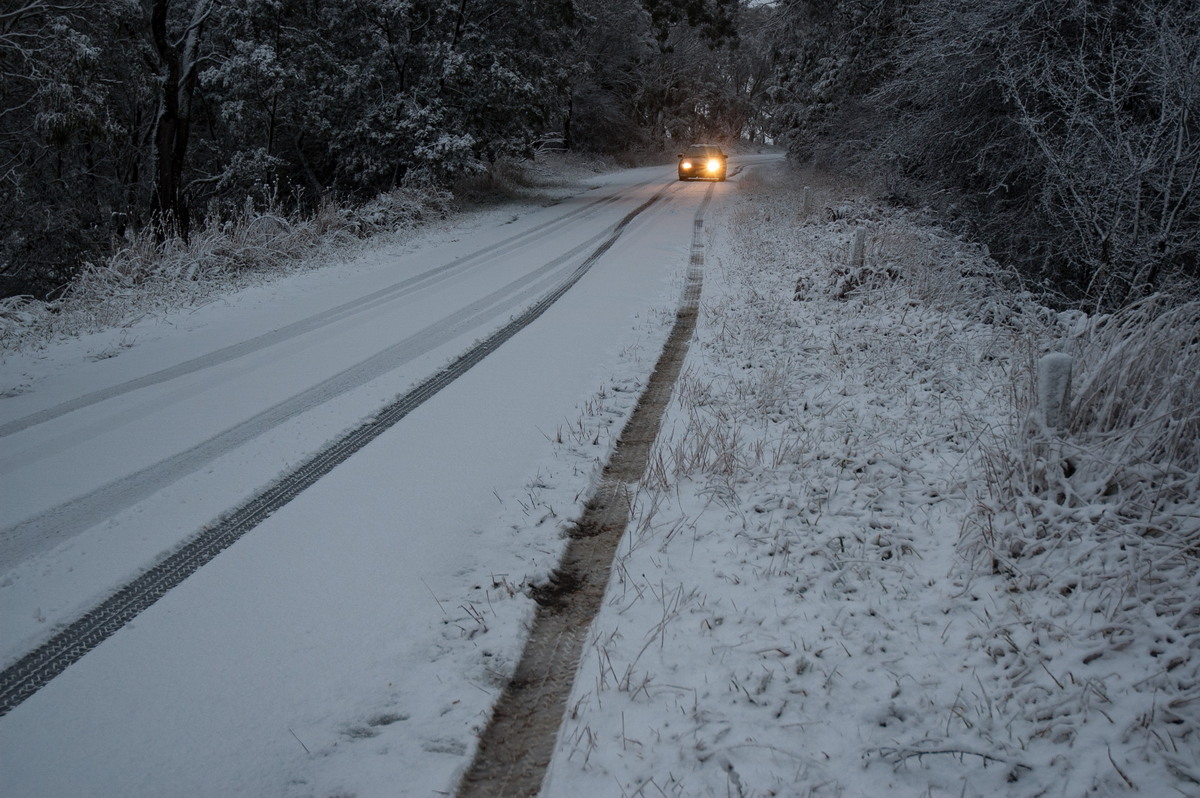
402 207
18 313
1140 399
1081 556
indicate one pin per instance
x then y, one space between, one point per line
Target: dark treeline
1063 133
130 115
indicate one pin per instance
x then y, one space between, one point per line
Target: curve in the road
320 320
33 671
56 524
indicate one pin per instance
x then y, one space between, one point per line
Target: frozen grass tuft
1096 536
1138 399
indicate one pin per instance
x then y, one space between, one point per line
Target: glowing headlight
714 165
686 165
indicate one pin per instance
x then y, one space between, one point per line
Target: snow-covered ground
798 608
802 604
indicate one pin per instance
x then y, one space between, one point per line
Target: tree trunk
567 143
179 66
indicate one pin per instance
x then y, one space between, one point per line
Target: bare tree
1065 133
1115 118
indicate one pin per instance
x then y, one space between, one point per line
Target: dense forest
1063 133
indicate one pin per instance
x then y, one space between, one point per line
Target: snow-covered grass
1096 535
859 565
148 275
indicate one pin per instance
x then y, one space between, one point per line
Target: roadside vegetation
1064 136
124 122
862 561
148 274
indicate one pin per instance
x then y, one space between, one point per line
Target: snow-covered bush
1063 132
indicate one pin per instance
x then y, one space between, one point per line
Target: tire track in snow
36 669
47 529
516 747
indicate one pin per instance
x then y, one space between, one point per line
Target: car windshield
702 151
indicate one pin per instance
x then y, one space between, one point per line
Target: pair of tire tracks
316 322
516 747
51 526
36 669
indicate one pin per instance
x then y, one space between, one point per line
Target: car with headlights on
702 161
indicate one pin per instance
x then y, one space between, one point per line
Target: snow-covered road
343 623
806 599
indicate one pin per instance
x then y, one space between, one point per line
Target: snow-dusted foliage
120 114
1065 134
828 55
815 595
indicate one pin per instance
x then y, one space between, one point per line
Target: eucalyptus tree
177 31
